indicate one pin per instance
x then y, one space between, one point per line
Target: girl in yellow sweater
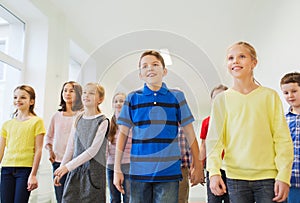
248 122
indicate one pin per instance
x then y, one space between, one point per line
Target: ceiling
197 34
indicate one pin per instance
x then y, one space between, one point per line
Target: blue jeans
156 192
115 195
14 184
213 198
294 195
244 191
59 189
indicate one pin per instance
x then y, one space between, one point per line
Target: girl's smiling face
240 63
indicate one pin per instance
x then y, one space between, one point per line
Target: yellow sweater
20 141
254 134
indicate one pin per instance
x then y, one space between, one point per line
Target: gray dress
87 183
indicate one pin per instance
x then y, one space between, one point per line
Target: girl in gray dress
85 154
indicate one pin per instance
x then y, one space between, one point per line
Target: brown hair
219 87
31 93
154 53
78 102
293 77
113 122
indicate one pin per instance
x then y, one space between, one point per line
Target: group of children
247 136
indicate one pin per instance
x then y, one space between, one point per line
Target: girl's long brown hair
113 123
31 93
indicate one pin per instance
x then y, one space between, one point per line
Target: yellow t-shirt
20 141
253 132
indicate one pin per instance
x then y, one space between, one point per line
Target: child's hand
118 181
32 183
57 181
281 191
61 171
196 174
217 185
52 156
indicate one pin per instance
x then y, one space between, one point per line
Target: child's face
152 72
69 95
90 97
22 100
291 93
240 64
118 102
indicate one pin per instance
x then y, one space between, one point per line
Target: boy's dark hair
219 87
290 78
153 53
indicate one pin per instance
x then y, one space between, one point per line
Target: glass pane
12 31
11 78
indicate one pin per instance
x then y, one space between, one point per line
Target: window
12 32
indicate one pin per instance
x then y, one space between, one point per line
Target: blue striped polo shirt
154 117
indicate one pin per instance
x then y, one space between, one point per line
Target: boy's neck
295 110
154 87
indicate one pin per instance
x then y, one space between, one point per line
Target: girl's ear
31 102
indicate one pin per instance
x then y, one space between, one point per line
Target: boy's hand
281 191
197 174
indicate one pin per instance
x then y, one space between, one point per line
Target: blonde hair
251 50
100 91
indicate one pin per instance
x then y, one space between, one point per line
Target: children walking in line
154 113
84 158
59 129
115 195
290 86
211 198
21 144
248 122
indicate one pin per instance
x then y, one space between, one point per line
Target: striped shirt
154 117
293 121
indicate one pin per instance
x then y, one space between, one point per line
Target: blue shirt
293 121
154 117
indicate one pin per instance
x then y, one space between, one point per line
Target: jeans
244 191
59 189
115 195
294 195
154 192
213 198
14 184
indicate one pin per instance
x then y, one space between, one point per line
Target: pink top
58 133
90 152
111 150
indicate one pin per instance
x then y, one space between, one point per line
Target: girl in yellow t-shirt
21 143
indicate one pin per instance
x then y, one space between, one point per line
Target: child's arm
91 151
49 137
197 173
32 180
120 146
2 147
